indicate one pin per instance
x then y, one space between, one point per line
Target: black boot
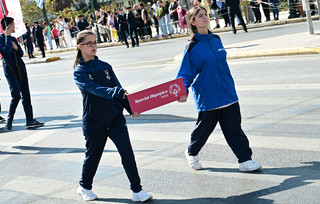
9 123
2 119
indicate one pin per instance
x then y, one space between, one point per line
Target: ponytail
80 38
79 55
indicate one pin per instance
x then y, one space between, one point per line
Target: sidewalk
283 48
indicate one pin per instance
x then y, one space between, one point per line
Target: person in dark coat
234 10
16 74
132 27
82 23
28 41
123 26
38 35
116 24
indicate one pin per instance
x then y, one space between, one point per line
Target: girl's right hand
135 114
182 99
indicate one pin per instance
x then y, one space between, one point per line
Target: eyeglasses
90 44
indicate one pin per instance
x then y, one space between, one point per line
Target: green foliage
109 7
31 12
283 6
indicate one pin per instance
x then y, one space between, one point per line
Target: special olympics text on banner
157 96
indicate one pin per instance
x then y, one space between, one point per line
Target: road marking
273 142
35 185
28 141
278 87
142 83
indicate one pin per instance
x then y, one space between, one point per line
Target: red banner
157 96
4 8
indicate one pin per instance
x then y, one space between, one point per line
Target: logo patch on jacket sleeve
90 77
107 74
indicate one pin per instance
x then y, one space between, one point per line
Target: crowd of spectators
167 17
117 25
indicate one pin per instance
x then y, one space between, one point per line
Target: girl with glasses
103 102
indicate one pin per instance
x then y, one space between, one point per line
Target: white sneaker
87 195
249 165
141 196
193 161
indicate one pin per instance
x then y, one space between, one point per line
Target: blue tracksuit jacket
204 67
102 94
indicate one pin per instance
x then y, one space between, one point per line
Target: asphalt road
279 100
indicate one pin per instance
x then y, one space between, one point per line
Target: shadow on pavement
303 175
238 47
158 118
190 201
19 124
56 150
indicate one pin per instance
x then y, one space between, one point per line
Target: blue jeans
275 10
169 24
49 40
163 26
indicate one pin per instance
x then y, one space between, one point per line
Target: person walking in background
113 31
169 25
275 9
16 74
66 32
161 16
47 32
234 10
155 19
38 31
55 34
256 10
82 23
59 26
116 24
140 24
266 9
224 12
146 20
215 13
103 102
174 15
73 27
182 14
28 41
131 19
123 26
204 67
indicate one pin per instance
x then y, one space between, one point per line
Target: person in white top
67 34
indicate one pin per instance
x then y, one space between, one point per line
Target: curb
51 59
38 61
43 60
266 53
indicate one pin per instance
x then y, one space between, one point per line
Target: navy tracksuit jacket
16 74
103 105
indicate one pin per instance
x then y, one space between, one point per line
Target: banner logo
174 90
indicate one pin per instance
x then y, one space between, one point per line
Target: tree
31 12
59 5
